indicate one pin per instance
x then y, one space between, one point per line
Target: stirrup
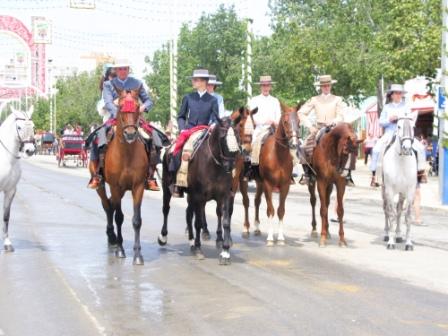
304 180
95 182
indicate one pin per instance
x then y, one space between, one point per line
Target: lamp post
443 152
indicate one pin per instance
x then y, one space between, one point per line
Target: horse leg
219 238
398 237
224 256
246 203
313 199
9 196
270 213
198 210
391 215
284 189
108 209
409 246
119 219
340 189
386 218
329 191
137 195
163 237
258 194
205 232
323 189
189 218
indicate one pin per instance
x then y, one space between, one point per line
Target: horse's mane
286 108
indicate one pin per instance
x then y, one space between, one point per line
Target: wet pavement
64 280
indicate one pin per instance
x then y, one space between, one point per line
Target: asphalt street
63 279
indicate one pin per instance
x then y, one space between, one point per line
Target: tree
41 115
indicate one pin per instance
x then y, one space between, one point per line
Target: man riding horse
329 110
268 116
198 111
122 81
388 120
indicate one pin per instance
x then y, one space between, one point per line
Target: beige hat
200 73
324 80
213 81
121 63
265 80
396 88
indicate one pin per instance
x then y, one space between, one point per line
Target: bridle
280 140
222 160
407 128
21 141
133 107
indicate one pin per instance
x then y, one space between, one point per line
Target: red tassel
128 106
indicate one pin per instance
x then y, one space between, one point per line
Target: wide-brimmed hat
200 73
265 80
122 63
325 80
396 88
212 80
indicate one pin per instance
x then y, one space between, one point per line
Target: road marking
101 330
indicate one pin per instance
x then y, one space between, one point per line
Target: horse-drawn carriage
72 148
46 143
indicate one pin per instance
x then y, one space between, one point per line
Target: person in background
369 143
69 130
211 87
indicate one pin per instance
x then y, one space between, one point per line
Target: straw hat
122 63
200 73
212 80
265 80
325 80
396 88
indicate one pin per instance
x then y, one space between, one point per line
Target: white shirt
268 110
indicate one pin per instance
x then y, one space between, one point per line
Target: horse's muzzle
130 133
29 148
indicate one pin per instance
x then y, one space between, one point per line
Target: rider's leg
95 179
374 164
421 161
154 159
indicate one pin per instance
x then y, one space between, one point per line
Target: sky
124 29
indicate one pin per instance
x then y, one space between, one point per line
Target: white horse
16 136
399 178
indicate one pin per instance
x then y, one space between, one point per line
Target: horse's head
229 141
289 124
25 131
128 114
405 133
244 122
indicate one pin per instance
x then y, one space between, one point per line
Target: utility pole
249 59
443 152
173 85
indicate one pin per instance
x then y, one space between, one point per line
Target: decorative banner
82 4
41 30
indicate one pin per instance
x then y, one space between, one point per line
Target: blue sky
123 29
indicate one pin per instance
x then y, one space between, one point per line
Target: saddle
270 132
322 132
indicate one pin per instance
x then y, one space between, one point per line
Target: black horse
209 178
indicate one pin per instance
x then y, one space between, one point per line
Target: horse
125 169
399 174
275 170
209 178
329 159
16 136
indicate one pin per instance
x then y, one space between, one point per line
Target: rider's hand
142 109
393 119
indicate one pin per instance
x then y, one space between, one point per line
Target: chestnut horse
126 167
328 161
275 170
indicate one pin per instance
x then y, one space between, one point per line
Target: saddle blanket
184 136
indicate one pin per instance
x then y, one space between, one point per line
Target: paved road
63 280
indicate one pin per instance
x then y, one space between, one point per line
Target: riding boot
95 180
421 177
349 179
153 157
306 177
373 182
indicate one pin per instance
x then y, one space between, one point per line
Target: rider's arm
340 108
145 98
304 111
108 97
384 118
183 114
214 116
277 112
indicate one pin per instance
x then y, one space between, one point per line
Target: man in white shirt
269 114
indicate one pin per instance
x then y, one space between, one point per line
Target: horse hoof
322 243
399 240
391 246
409 247
119 253
9 248
138 260
224 258
245 235
196 251
205 236
281 242
257 233
314 234
269 243
342 243
386 238
219 244
162 240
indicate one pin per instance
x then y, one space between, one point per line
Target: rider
388 120
268 115
329 110
211 87
123 82
198 108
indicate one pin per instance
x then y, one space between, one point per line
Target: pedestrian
369 143
212 84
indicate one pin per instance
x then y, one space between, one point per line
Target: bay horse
275 170
16 136
328 161
209 178
125 168
399 170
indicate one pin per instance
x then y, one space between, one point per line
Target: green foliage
41 115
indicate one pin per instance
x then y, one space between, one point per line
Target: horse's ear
237 116
254 111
